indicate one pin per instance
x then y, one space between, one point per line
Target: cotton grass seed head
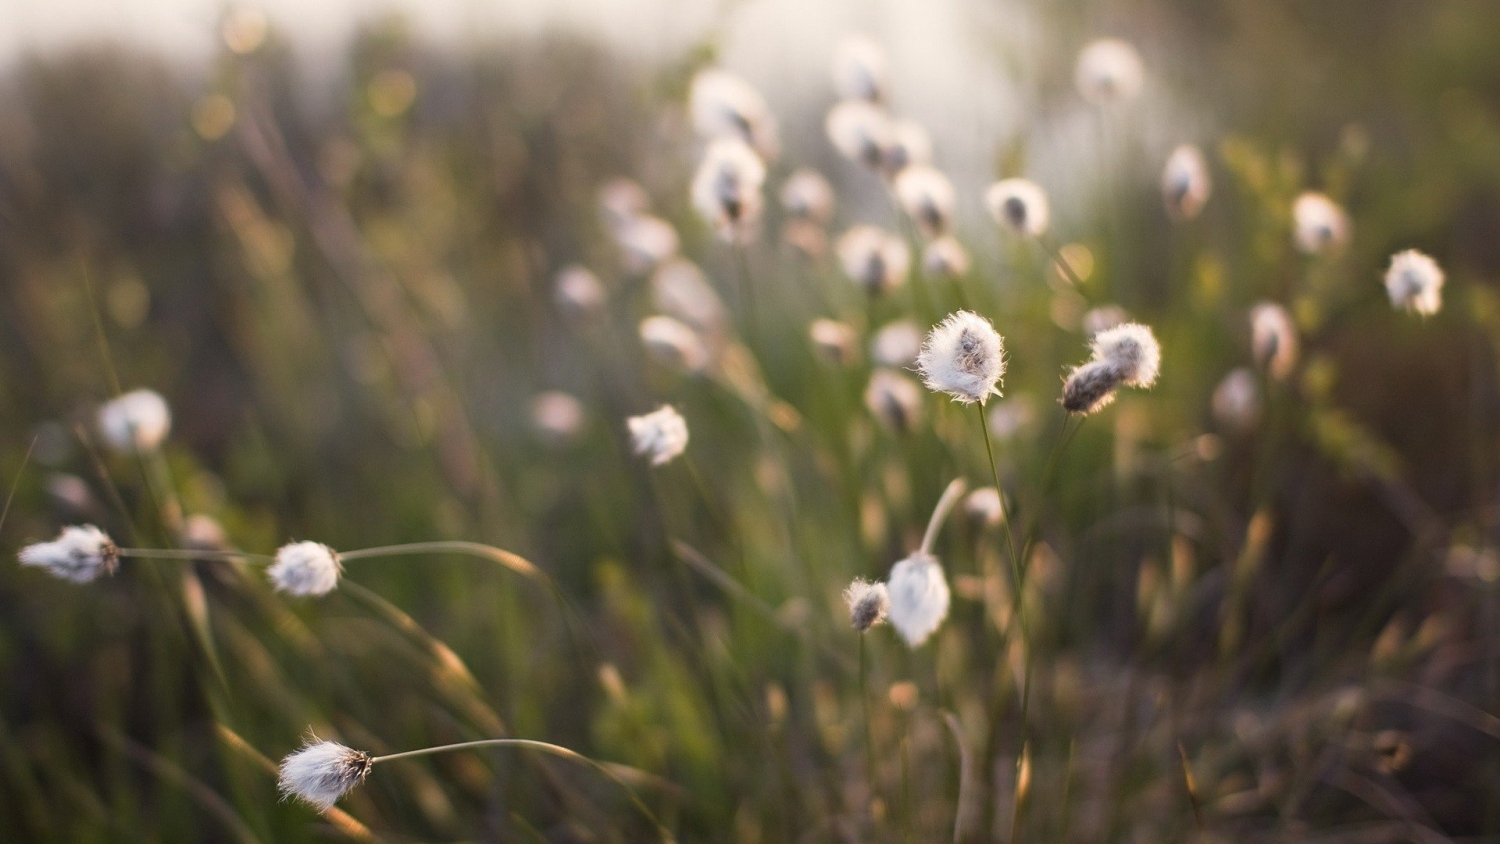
834 341
79 554
1185 183
964 357
1018 205
557 417
727 189
579 292
1273 339
1109 71
806 195
861 131
896 344
660 435
674 344
137 421
622 200
1414 282
927 197
305 569
874 259
1133 350
894 400
1090 387
322 772
868 603
860 70
945 258
644 243
1318 223
910 146
725 106
919 597
984 507
1236 401
680 290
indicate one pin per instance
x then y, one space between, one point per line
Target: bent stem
543 747
1056 255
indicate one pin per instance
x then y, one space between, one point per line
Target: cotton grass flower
964 357
1133 350
945 258
861 132
874 259
135 422
1108 71
1318 223
1236 401
927 197
1185 183
80 553
674 344
910 146
1273 339
305 569
897 344
984 507
894 400
1090 387
680 290
868 603
645 242
806 195
622 200
579 291
1019 205
660 435
1414 282
723 105
860 70
727 189
918 589
322 772
834 341
557 417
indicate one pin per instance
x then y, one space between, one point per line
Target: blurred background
1263 599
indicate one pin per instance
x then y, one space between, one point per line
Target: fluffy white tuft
557 417
919 597
645 242
983 505
894 399
674 344
80 553
897 344
660 435
964 357
834 341
806 195
1273 339
1185 183
724 105
861 131
727 189
868 603
874 259
1090 387
622 200
1236 401
1318 223
1132 349
945 258
136 421
1019 205
910 146
305 569
1109 70
927 197
1415 283
579 291
680 290
860 69
322 772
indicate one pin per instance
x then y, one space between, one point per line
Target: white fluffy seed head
910 146
896 344
1318 223
927 197
1273 339
727 189
1185 183
860 70
579 292
806 195
79 554
322 772
919 597
674 344
137 421
1414 282
1109 71
1236 401
622 200
1132 349
834 341
724 105
874 259
861 131
1090 387
945 258
644 243
660 435
983 505
868 603
964 357
305 569
557 417
680 290
1018 205
894 400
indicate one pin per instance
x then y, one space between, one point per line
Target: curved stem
544 747
945 504
188 554
512 561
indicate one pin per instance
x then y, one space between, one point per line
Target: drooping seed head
860 70
894 400
1273 339
1185 182
1236 401
1318 223
79 554
874 259
137 421
964 357
660 435
305 569
861 131
868 603
1414 282
945 258
834 341
927 197
724 105
806 195
1091 387
1133 351
322 772
1109 71
674 344
727 189
1018 205
579 291
919 597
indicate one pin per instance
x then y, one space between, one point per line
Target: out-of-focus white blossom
579 291
660 435
1019 205
137 421
860 70
674 344
726 106
1273 339
680 290
727 189
874 259
894 400
984 506
833 340
945 258
861 131
1103 318
645 242
896 344
1318 223
1109 71
1236 401
910 146
806 195
1415 283
557 417
1185 182
622 200
927 197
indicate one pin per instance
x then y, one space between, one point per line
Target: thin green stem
1056 255
188 554
512 561
864 699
